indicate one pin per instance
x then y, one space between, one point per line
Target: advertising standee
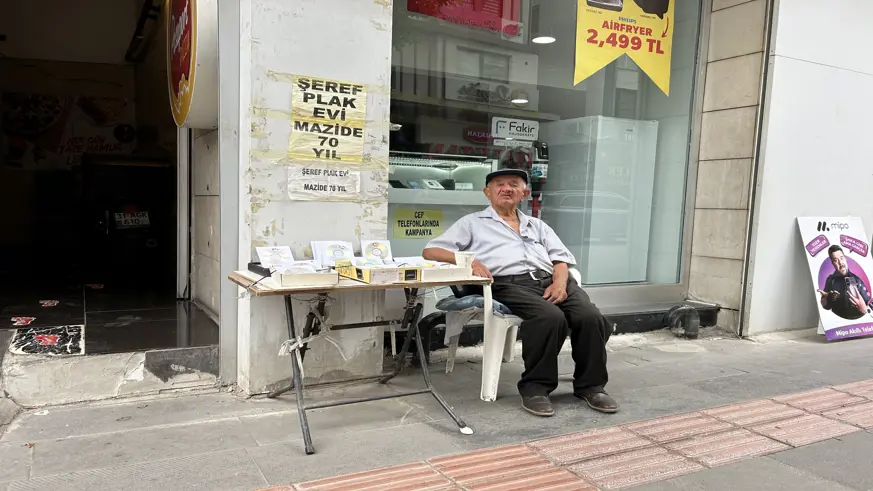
840 263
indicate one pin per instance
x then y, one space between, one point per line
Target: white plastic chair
500 335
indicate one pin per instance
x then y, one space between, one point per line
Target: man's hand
556 293
856 300
828 297
480 270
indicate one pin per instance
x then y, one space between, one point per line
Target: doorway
88 182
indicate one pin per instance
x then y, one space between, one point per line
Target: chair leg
494 344
509 349
453 350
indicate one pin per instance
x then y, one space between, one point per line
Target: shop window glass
610 158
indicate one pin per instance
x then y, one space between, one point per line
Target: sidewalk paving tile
863 388
754 412
589 445
759 474
803 430
552 479
411 477
860 415
634 468
844 460
488 465
816 401
725 448
14 462
672 428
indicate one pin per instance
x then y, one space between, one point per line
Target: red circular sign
182 55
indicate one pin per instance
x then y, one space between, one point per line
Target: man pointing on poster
844 292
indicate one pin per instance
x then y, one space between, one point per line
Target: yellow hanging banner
641 29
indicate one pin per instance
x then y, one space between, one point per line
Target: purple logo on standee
817 245
854 245
847 332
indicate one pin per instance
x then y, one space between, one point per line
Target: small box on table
378 274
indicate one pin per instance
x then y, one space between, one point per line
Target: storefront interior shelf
472 106
436 197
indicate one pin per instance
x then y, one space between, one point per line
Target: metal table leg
311 326
410 319
411 315
298 379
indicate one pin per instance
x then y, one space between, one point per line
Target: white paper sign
314 183
840 264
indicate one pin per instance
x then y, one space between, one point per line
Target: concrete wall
206 222
339 39
816 150
727 143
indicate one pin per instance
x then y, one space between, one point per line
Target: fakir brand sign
515 129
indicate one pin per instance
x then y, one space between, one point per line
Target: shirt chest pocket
534 247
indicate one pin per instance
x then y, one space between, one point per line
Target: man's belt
530 275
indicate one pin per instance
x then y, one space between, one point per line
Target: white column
347 40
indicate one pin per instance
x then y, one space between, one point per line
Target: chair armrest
576 275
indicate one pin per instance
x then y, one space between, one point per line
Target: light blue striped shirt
502 250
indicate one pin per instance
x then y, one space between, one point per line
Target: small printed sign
417 224
132 220
48 303
315 183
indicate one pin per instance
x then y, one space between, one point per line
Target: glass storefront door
479 85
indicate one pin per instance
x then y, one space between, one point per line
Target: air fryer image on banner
840 264
615 5
654 7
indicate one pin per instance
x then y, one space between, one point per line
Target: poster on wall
51 132
641 29
327 120
413 223
321 183
840 264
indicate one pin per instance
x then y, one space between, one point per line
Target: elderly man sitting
530 268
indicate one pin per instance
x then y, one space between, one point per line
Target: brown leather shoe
538 405
598 400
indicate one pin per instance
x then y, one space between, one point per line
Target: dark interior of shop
88 252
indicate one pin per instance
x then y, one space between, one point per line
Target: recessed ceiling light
543 40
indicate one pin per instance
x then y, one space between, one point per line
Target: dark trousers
544 330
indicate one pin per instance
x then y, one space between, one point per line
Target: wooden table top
267 287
